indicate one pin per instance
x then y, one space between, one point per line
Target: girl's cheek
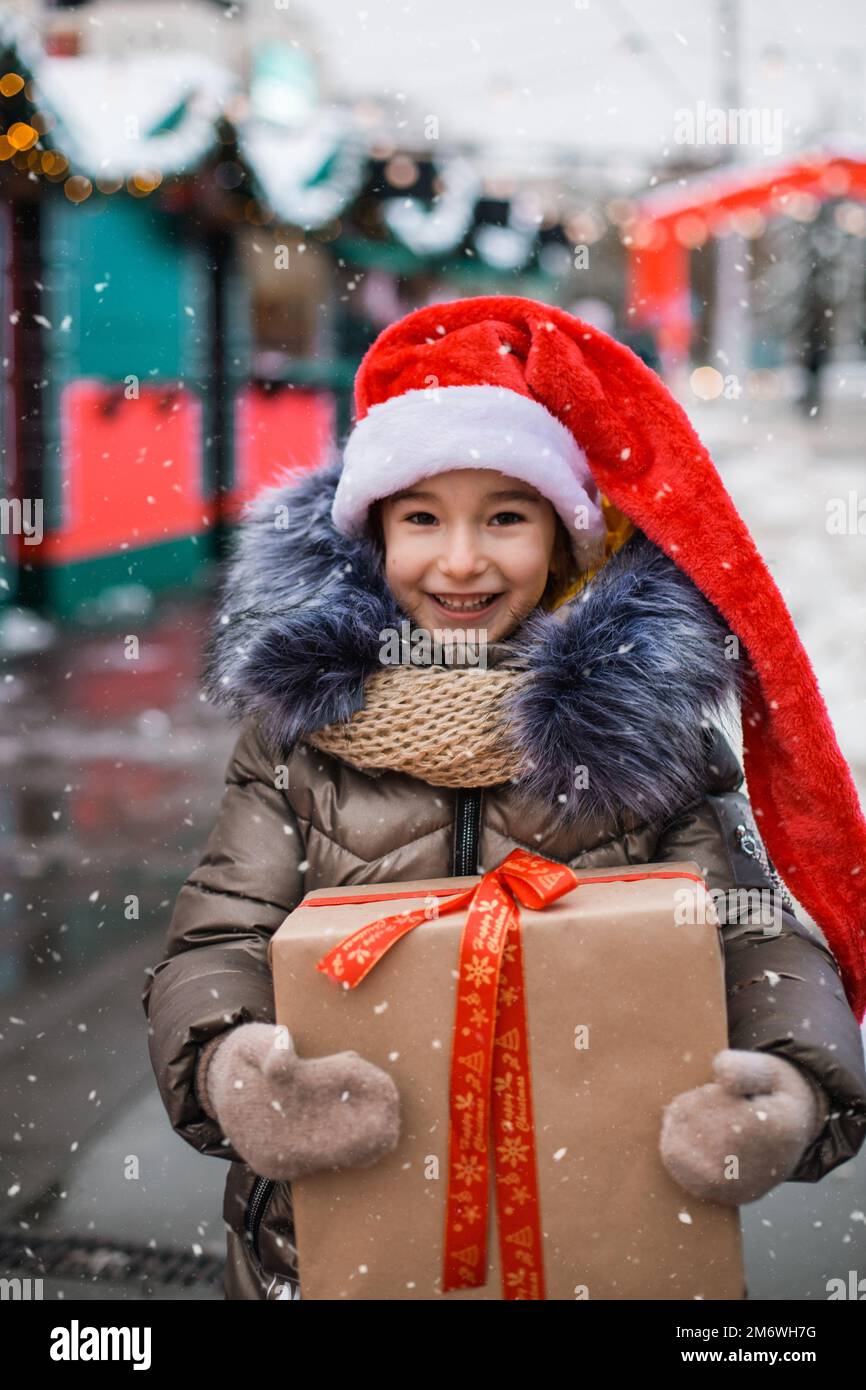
526 561
402 576
531 577
402 583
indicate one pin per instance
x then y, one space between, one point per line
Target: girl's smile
471 547
463 605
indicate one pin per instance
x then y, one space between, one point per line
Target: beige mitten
288 1115
734 1139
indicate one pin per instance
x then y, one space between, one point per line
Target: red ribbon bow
490 1077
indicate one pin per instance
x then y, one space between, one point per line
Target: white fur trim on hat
426 432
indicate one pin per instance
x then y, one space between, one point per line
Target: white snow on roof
430 231
286 164
109 108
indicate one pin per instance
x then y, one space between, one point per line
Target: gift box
536 1022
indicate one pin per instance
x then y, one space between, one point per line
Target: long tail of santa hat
647 459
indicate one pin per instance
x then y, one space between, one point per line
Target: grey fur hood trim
624 679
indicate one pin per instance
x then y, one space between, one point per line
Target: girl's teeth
464 607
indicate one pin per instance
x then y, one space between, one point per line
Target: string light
77 188
21 135
707 383
11 84
144 181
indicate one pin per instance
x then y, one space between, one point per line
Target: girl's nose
462 559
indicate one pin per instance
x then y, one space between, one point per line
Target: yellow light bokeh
145 180
851 218
802 207
255 213
763 384
10 84
691 231
748 222
54 164
650 236
401 171
21 135
707 383
584 228
77 188
621 211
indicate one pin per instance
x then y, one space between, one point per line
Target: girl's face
470 548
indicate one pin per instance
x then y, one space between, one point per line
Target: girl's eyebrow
503 495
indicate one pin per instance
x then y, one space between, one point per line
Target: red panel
131 471
277 431
659 294
764 190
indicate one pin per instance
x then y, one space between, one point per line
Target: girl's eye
428 516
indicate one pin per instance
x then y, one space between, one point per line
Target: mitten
288 1116
762 1110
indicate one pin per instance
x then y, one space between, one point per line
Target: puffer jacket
629 679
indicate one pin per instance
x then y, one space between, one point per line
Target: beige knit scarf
446 726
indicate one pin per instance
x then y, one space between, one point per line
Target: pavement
112 772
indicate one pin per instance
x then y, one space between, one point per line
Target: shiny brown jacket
620 683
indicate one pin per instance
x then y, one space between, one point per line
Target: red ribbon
490 1076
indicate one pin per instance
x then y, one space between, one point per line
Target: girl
617 625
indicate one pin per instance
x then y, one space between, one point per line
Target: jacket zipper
263 1190
467 823
750 844
465 863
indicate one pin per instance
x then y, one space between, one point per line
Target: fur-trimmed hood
625 677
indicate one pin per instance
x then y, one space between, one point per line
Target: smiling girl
548 488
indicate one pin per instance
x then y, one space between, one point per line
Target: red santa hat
508 383
473 409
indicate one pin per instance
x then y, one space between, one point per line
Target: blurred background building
207 213
202 230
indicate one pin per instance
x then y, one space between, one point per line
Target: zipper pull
751 845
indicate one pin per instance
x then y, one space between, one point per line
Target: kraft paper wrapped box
625 1003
